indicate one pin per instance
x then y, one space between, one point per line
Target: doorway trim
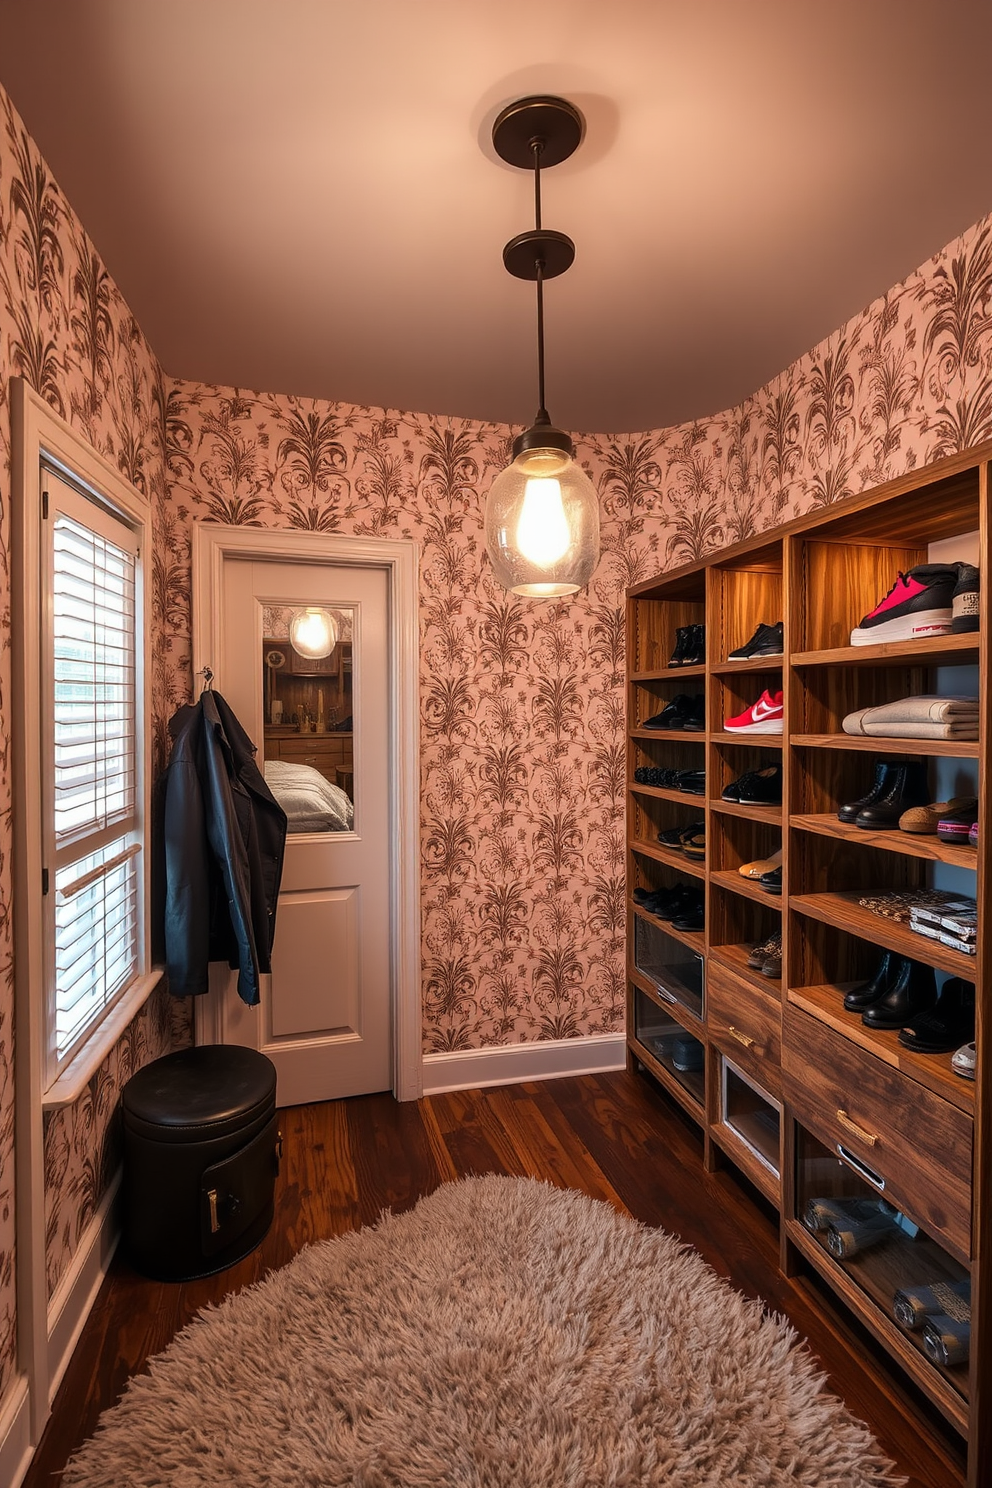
212 545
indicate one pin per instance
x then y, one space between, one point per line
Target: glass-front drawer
754 1117
911 1279
675 970
681 1054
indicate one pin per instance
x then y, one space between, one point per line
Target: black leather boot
849 812
683 637
948 1024
913 991
695 652
862 997
907 786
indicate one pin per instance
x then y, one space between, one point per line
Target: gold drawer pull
742 1038
869 1138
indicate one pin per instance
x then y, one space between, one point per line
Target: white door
324 1017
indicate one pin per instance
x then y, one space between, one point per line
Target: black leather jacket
225 835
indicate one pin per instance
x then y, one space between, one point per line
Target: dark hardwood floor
615 1137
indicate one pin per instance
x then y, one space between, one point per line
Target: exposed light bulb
313 633
542 532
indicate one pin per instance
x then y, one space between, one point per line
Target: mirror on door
307 687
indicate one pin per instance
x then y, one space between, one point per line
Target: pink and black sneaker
763 717
918 604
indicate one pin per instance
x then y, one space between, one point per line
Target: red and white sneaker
763 717
920 603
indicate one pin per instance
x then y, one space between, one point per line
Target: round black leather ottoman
201 1154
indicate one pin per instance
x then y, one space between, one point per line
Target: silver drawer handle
862 1169
742 1038
869 1138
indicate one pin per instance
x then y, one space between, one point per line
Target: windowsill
73 1080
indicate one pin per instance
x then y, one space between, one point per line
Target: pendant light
542 515
313 632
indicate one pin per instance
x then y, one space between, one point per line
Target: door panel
315 964
324 1017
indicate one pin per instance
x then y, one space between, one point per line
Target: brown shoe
924 819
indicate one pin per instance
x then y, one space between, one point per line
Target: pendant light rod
537 146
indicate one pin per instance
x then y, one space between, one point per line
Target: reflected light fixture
542 515
313 632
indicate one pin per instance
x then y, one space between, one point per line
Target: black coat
225 835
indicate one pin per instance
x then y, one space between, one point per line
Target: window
90 731
80 752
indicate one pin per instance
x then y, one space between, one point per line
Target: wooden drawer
316 751
746 1024
919 1144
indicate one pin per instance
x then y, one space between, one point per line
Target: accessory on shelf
850 810
690 646
849 1237
687 1053
766 641
918 604
963 1061
758 955
862 996
954 922
694 845
756 787
913 991
905 904
927 717
912 1305
946 1341
964 600
949 1023
679 711
690 915
760 865
762 717
924 819
905 786
674 836
955 826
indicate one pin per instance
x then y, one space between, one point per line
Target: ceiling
303 197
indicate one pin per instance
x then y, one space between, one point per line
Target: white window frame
40 439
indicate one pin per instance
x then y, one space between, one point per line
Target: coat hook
207 674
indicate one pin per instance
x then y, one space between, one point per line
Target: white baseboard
470 1069
76 1292
16 1446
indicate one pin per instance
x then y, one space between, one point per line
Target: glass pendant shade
313 632
542 525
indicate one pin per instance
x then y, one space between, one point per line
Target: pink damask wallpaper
65 328
521 703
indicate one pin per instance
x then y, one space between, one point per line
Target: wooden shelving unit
855 1112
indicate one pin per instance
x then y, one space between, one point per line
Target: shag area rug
502 1334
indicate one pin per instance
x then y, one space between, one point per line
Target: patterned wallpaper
65 328
521 702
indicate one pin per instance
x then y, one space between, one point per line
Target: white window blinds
93 749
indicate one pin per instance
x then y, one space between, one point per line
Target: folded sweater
926 717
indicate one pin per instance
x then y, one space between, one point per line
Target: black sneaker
964 600
673 836
696 650
766 641
683 637
678 713
758 787
918 604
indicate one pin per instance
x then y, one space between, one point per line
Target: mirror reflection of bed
307 678
311 802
